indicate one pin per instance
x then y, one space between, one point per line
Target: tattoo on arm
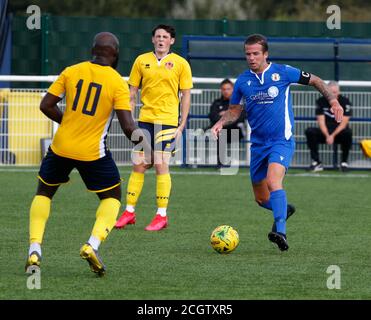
321 87
232 114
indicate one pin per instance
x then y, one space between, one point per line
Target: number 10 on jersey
86 109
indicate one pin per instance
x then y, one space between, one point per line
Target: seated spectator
329 130
219 107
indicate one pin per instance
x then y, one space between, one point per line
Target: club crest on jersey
169 65
248 82
275 77
273 91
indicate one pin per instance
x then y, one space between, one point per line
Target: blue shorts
160 136
263 154
98 175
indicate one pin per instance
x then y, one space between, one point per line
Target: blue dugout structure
281 49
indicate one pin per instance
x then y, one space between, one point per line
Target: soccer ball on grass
224 239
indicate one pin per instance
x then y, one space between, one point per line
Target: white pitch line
312 175
18 170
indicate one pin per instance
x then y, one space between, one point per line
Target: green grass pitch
331 227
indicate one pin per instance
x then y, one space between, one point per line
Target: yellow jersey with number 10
160 82
92 93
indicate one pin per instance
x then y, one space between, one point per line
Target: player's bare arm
48 106
230 116
185 104
321 86
126 122
133 97
128 126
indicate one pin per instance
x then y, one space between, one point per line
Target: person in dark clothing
218 108
330 131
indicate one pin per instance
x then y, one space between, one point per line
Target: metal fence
25 132
304 110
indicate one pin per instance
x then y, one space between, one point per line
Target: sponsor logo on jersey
273 91
265 97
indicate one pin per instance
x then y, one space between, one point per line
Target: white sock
130 208
35 246
94 242
161 212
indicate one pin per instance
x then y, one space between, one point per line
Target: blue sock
266 205
278 201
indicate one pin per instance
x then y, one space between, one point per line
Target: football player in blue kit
264 90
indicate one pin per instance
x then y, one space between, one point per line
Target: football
224 239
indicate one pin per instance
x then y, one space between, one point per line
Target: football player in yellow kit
94 92
161 74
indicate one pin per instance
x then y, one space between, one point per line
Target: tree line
283 10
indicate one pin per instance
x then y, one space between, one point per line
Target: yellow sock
163 188
39 214
134 189
105 218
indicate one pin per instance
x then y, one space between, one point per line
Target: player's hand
337 110
178 132
215 130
